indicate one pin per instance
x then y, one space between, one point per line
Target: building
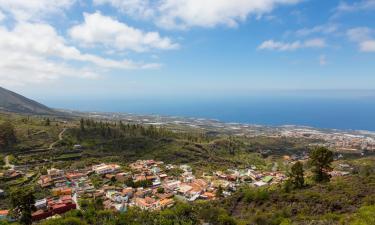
4 214
61 191
45 181
267 179
55 173
260 183
147 203
73 176
104 168
166 203
41 204
54 206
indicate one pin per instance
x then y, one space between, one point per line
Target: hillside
344 200
13 102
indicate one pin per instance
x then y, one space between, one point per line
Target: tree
7 135
296 175
82 124
22 204
48 122
219 192
321 159
160 190
113 180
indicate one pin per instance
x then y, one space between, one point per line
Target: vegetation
340 200
7 135
296 175
321 159
22 203
182 213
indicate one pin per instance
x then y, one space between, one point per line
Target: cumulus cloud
345 7
34 9
363 36
367 46
291 46
99 29
320 29
33 52
19 69
359 34
182 14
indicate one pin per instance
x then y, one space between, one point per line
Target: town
334 139
146 184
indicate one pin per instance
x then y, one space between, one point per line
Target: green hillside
343 200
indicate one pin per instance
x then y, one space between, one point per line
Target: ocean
339 112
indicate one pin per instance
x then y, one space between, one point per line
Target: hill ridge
13 102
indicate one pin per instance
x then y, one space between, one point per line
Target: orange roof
140 177
166 201
209 194
142 201
196 187
149 200
150 177
127 190
4 212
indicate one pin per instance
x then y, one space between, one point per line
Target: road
60 138
7 163
75 199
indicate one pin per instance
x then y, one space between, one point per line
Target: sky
199 48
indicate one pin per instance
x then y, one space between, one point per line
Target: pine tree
296 175
48 122
22 202
82 124
321 159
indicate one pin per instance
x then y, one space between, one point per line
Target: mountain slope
13 102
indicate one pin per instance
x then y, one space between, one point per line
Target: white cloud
321 29
281 46
363 36
183 14
367 46
359 34
363 5
34 9
315 43
291 46
36 53
99 29
20 69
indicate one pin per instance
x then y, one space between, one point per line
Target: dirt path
7 163
60 138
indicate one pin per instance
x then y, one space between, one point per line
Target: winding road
60 138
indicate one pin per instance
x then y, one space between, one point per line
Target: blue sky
143 48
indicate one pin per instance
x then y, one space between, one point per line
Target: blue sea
340 111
